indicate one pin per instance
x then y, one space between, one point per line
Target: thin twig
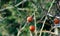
49 32
35 19
31 33
19 31
51 6
26 9
42 26
13 6
20 3
35 24
6 8
46 17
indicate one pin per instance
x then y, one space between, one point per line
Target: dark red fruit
32 28
29 19
56 21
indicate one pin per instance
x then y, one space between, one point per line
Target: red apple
32 28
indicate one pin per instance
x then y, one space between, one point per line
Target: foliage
14 13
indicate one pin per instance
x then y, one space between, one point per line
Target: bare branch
46 17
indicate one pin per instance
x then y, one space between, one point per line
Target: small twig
31 33
49 32
51 6
26 9
46 17
56 31
35 19
35 24
6 8
42 26
42 17
19 31
39 21
20 3
12 6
